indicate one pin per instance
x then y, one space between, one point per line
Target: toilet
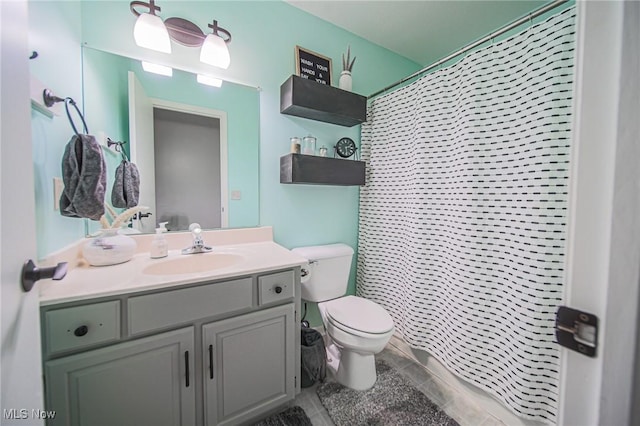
357 328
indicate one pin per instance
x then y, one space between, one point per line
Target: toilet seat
359 316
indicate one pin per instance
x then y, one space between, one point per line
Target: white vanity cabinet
222 352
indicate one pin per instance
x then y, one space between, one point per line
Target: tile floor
454 403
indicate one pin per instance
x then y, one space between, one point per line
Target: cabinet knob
278 289
81 331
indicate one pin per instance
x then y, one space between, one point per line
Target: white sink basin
193 263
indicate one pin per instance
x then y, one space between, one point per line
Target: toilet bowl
357 328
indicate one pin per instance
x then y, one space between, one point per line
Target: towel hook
111 142
50 99
118 148
68 101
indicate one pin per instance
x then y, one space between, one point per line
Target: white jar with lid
309 145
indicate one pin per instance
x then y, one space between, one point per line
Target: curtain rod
476 43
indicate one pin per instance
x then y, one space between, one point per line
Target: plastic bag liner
313 366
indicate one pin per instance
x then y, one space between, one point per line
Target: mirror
196 146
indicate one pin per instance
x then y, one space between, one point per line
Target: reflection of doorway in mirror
203 173
187 155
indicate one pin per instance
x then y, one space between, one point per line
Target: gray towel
85 178
126 187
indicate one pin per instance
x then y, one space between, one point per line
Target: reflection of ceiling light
157 69
209 81
149 30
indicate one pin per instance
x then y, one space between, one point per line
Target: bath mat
293 416
393 400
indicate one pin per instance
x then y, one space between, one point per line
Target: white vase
109 248
345 80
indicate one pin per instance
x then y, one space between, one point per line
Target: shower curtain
463 217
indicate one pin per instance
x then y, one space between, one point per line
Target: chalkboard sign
313 66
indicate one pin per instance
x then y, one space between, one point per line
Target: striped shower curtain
463 219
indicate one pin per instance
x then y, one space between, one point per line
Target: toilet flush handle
304 272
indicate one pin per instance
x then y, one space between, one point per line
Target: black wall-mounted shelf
310 169
306 98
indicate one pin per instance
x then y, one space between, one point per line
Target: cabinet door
249 364
148 381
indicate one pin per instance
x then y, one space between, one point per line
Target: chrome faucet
198 245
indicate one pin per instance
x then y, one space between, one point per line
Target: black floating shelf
306 98
310 169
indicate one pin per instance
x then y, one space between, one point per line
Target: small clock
345 147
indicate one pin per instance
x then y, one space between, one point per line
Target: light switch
236 195
58 187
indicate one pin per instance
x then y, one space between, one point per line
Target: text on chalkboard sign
313 66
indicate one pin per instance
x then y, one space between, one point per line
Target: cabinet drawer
169 308
80 326
275 287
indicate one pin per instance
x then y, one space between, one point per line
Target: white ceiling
421 30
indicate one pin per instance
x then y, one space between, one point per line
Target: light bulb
215 52
151 33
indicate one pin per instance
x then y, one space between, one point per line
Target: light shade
157 69
215 52
151 33
209 81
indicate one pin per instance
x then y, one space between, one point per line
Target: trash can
313 365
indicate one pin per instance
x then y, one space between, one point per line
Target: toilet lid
360 314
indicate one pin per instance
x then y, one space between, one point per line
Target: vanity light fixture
157 69
149 31
213 47
209 81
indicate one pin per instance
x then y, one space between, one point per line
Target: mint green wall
54 32
106 110
262 54
105 94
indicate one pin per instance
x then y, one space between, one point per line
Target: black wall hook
50 99
118 144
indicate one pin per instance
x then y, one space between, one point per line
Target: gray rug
393 400
293 416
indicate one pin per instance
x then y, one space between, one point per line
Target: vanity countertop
87 282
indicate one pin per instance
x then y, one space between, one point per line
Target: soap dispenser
159 245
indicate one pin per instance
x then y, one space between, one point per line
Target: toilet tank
328 268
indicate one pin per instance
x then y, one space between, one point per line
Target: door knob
31 273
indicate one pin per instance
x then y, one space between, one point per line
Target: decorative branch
120 219
104 222
126 215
